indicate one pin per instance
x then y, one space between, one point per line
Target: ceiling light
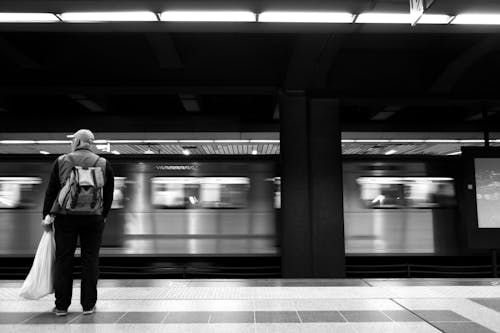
455 153
265 141
149 151
102 147
116 152
254 152
231 141
372 140
186 152
27 17
161 141
383 18
18 142
143 16
196 141
208 16
306 17
42 142
391 152
483 19
43 152
434 19
126 141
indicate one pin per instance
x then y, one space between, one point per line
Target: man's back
63 200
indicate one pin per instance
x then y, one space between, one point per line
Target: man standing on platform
78 200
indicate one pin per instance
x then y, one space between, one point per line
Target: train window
224 192
15 191
119 193
200 192
414 192
381 192
175 192
429 192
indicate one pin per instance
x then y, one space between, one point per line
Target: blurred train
230 207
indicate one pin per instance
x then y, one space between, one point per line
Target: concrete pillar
312 215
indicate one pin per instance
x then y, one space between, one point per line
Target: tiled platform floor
373 305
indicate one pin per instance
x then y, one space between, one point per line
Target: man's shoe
59 313
88 311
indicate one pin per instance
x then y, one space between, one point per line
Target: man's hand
47 222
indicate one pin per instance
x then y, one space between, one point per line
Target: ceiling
227 77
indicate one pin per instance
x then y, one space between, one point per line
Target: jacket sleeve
52 190
108 189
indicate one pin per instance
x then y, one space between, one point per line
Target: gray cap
82 139
84 135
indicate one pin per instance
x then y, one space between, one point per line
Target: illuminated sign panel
487 174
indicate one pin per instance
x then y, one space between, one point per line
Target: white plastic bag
40 280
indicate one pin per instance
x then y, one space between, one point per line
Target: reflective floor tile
187 317
378 327
420 327
431 282
467 327
492 303
304 328
320 316
99 318
401 315
274 305
364 316
50 318
232 317
440 315
143 317
276 317
15 317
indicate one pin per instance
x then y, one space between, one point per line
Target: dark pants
67 229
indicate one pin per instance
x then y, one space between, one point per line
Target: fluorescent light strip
388 18
391 152
435 19
139 16
455 153
43 152
371 140
408 141
161 141
479 19
231 141
126 141
196 141
49 142
27 17
208 16
17 142
265 141
306 17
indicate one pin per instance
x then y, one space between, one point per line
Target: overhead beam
311 61
190 102
137 90
16 56
457 68
246 27
420 101
87 103
164 50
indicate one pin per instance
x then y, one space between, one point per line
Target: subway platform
278 305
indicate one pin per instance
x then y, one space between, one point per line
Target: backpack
82 192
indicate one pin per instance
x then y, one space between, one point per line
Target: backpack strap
96 161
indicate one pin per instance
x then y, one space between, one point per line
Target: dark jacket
55 185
